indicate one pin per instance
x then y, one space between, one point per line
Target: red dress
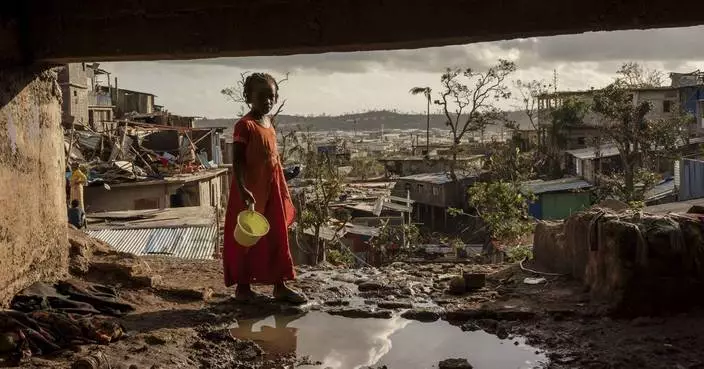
268 261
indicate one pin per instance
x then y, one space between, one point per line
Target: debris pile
636 262
133 151
47 318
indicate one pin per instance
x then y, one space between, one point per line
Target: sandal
286 294
250 296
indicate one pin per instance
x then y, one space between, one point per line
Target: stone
490 326
502 332
154 340
474 281
471 327
455 364
362 313
337 303
395 305
422 315
147 281
370 286
457 286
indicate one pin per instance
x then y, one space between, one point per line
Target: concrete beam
80 30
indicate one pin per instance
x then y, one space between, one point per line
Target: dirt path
184 312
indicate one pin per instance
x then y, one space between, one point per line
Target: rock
395 305
361 313
471 327
457 286
644 321
502 332
248 350
490 326
370 286
455 364
148 281
337 303
154 340
422 315
474 281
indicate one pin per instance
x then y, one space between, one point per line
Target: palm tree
426 91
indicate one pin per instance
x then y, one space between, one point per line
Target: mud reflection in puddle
340 342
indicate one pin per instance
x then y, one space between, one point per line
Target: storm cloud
669 46
336 83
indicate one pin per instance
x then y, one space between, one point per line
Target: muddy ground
184 312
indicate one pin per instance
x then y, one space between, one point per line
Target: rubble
423 315
637 263
455 364
134 151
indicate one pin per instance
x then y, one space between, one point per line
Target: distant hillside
364 121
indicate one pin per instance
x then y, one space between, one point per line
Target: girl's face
263 97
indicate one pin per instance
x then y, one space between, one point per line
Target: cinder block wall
33 240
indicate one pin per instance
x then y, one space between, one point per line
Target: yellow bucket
251 226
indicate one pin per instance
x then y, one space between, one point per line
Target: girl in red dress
259 180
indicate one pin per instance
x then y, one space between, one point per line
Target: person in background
78 180
259 182
76 216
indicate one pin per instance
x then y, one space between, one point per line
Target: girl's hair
255 78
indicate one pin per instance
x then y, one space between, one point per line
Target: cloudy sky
338 83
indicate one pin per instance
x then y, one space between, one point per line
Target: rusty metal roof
181 242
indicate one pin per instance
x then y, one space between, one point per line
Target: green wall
561 205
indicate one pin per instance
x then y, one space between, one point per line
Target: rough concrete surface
33 242
61 31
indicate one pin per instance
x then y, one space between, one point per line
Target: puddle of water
340 342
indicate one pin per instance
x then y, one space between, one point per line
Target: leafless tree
468 99
236 93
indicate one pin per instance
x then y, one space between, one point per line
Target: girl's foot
284 293
244 293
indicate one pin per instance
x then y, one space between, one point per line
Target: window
667 106
75 93
436 190
581 140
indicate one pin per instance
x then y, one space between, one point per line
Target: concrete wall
206 192
33 241
98 199
76 84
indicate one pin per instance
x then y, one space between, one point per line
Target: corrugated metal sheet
362 230
603 151
661 190
564 184
691 179
434 178
181 242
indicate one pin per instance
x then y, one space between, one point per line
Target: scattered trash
95 361
540 280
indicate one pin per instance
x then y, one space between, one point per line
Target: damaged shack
135 165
